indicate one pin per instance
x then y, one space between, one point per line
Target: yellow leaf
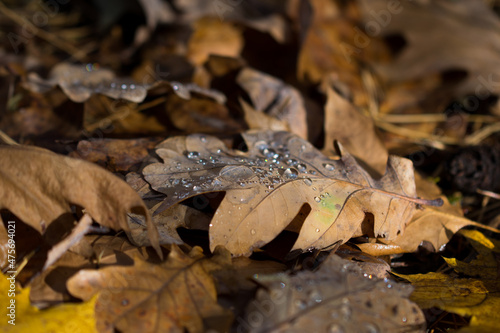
477 298
485 265
63 318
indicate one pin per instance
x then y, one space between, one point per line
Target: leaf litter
287 65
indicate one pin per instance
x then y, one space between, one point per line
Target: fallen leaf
273 97
115 155
441 35
167 221
435 225
26 318
359 138
272 181
200 115
213 36
39 187
338 297
472 297
257 120
174 296
79 82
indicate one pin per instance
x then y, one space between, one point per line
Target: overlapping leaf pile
161 92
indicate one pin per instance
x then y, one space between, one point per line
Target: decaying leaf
267 186
26 318
336 298
79 83
475 296
39 187
273 97
174 296
115 155
213 36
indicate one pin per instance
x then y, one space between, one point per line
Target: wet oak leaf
39 186
174 296
338 297
267 186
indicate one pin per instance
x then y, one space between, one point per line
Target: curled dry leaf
267 186
276 99
174 296
39 186
336 298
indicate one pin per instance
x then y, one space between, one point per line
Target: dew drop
132 86
404 319
317 230
335 328
312 172
124 86
196 188
203 138
282 285
301 167
291 173
317 199
328 166
261 145
307 181
253 232
192 154
125 302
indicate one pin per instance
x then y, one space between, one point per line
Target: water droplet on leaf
291 173
328 166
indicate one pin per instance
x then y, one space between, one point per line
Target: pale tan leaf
358 137
39 186
276 99
267 186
